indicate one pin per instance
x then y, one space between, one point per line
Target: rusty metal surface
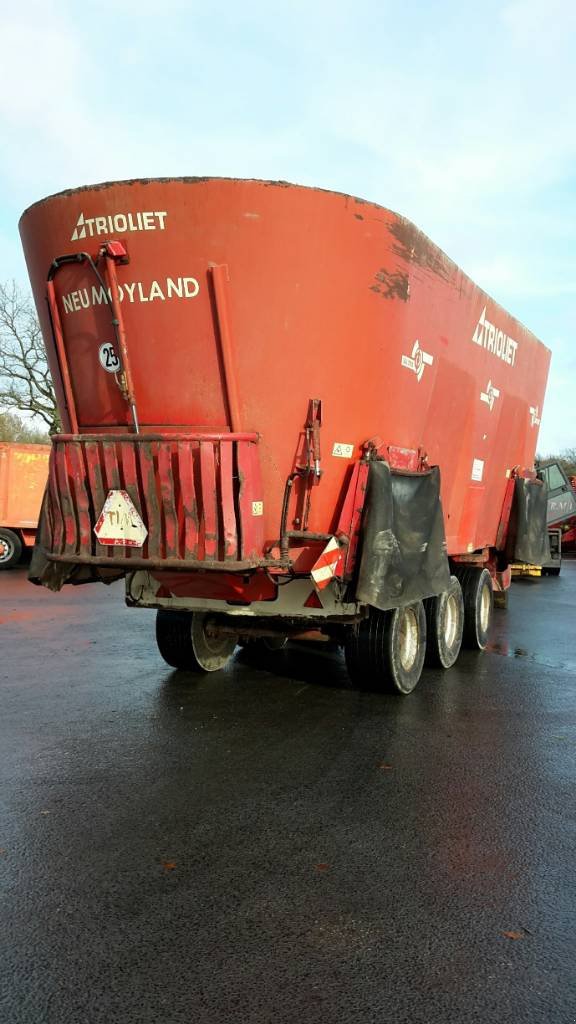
426 361
195 495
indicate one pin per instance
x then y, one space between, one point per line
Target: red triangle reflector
313 601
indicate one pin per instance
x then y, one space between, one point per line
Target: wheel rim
485 603
409 637
213 643
211 649
450 621
6 549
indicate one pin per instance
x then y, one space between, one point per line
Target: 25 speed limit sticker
108 358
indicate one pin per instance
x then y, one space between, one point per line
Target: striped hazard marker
327 565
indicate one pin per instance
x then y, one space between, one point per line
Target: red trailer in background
260 385
23 475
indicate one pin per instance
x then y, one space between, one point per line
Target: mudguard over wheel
386 651
185 642
444 625
478 595
10 549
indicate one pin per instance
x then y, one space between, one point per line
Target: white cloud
460 117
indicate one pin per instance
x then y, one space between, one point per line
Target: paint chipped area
391 285
412 246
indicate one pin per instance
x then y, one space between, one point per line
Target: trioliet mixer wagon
286 414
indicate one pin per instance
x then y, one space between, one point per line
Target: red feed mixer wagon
286 414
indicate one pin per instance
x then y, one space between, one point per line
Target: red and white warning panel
327 565
120 523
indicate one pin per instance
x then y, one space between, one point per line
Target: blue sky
458 115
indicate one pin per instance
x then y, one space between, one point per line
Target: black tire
478 595
273 644
501 598
269 644
444 625
183 642
554 571
386 651
10 549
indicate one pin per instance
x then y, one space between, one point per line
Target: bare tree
566 458
25 381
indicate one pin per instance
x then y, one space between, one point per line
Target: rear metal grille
195 494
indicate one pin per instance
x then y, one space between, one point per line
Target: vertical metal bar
111 467
129 475
350 519
150 497
188 506
166 479
66 503
96 486
80 494
62 358
220 278
210 517
118 323
112 471
227 497
250 500
57 539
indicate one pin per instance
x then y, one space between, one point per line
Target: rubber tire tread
371 658
174 639
436 655
471 580
17 545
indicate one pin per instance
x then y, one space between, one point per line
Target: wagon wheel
386 651
445 625
478 595
10 549
185 641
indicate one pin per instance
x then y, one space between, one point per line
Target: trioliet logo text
119 223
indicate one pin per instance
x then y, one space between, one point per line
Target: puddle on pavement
508 651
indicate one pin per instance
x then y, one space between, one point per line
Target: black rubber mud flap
53 575
528 528
403 556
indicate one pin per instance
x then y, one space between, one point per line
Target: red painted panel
250 499
325 296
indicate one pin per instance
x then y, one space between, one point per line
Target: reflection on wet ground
268 844
540 621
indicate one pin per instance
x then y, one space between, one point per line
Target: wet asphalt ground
267 845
